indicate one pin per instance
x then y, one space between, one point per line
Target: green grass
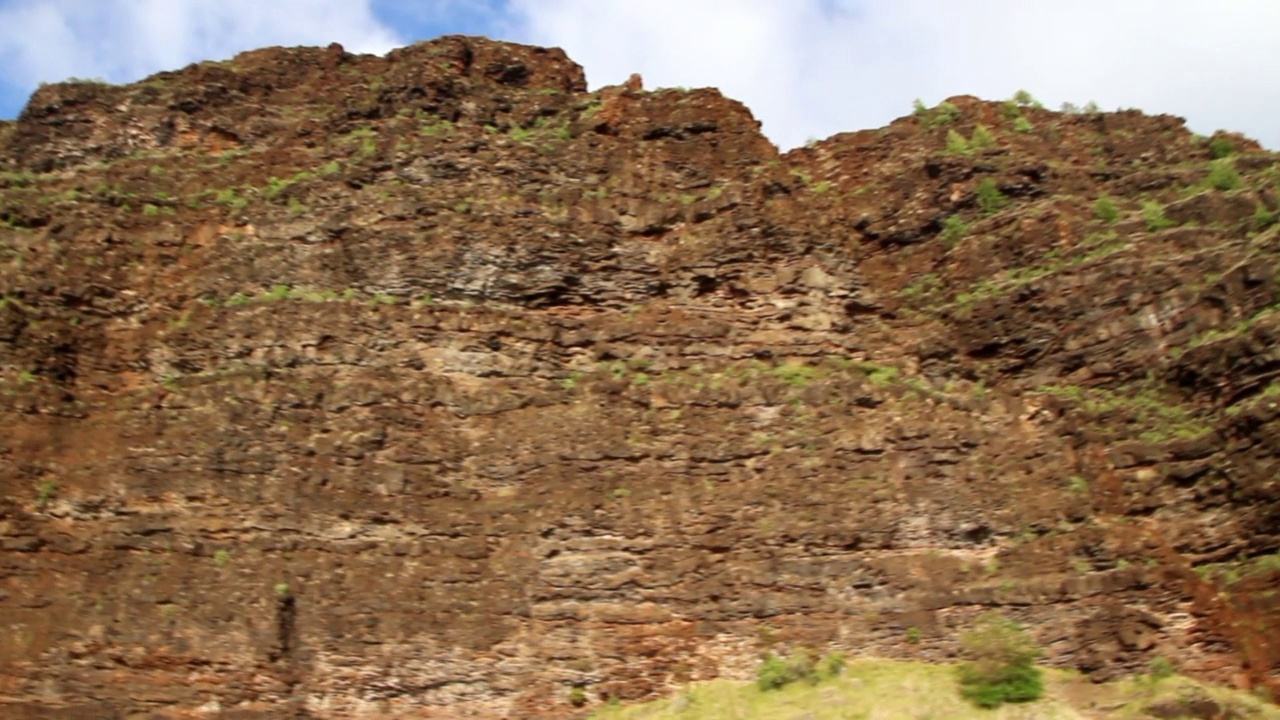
888 689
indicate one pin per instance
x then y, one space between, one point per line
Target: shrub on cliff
1223 175
1001 665
777 672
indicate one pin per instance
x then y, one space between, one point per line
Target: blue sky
806 68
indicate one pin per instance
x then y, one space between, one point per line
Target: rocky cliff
433 385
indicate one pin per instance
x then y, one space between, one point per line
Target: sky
806 68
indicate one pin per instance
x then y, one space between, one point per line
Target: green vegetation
957 144
795 374
1090 108
982 138
1105 210
46 492
954 229
520 134
1156 417
1023 125
229 198
1160 669
1022 98
990 199
221 557
879 374
1153 214
541 127
1227 574
282 589
1263 218
870 688
1220 147
281 292
777 672
1001 667
921 287
1100 245
1223 175
18 179
444 127
944 114
366 138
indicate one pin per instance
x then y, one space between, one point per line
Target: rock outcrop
434 385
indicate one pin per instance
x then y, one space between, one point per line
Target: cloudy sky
807 68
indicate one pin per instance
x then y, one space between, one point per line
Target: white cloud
124 40
809 68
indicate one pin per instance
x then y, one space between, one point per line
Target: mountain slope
347 386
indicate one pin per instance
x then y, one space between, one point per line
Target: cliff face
342 386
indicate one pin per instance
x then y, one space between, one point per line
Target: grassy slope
890 690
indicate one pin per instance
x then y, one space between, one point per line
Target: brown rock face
434 386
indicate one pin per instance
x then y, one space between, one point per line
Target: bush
1105 210
953 229
1160 669
1023 125
945 114
1263 218
1012 685
990 199
1001 668
957 144
1024 98
1220 147
1223 175
777 672
1153 214
982 138
831 665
